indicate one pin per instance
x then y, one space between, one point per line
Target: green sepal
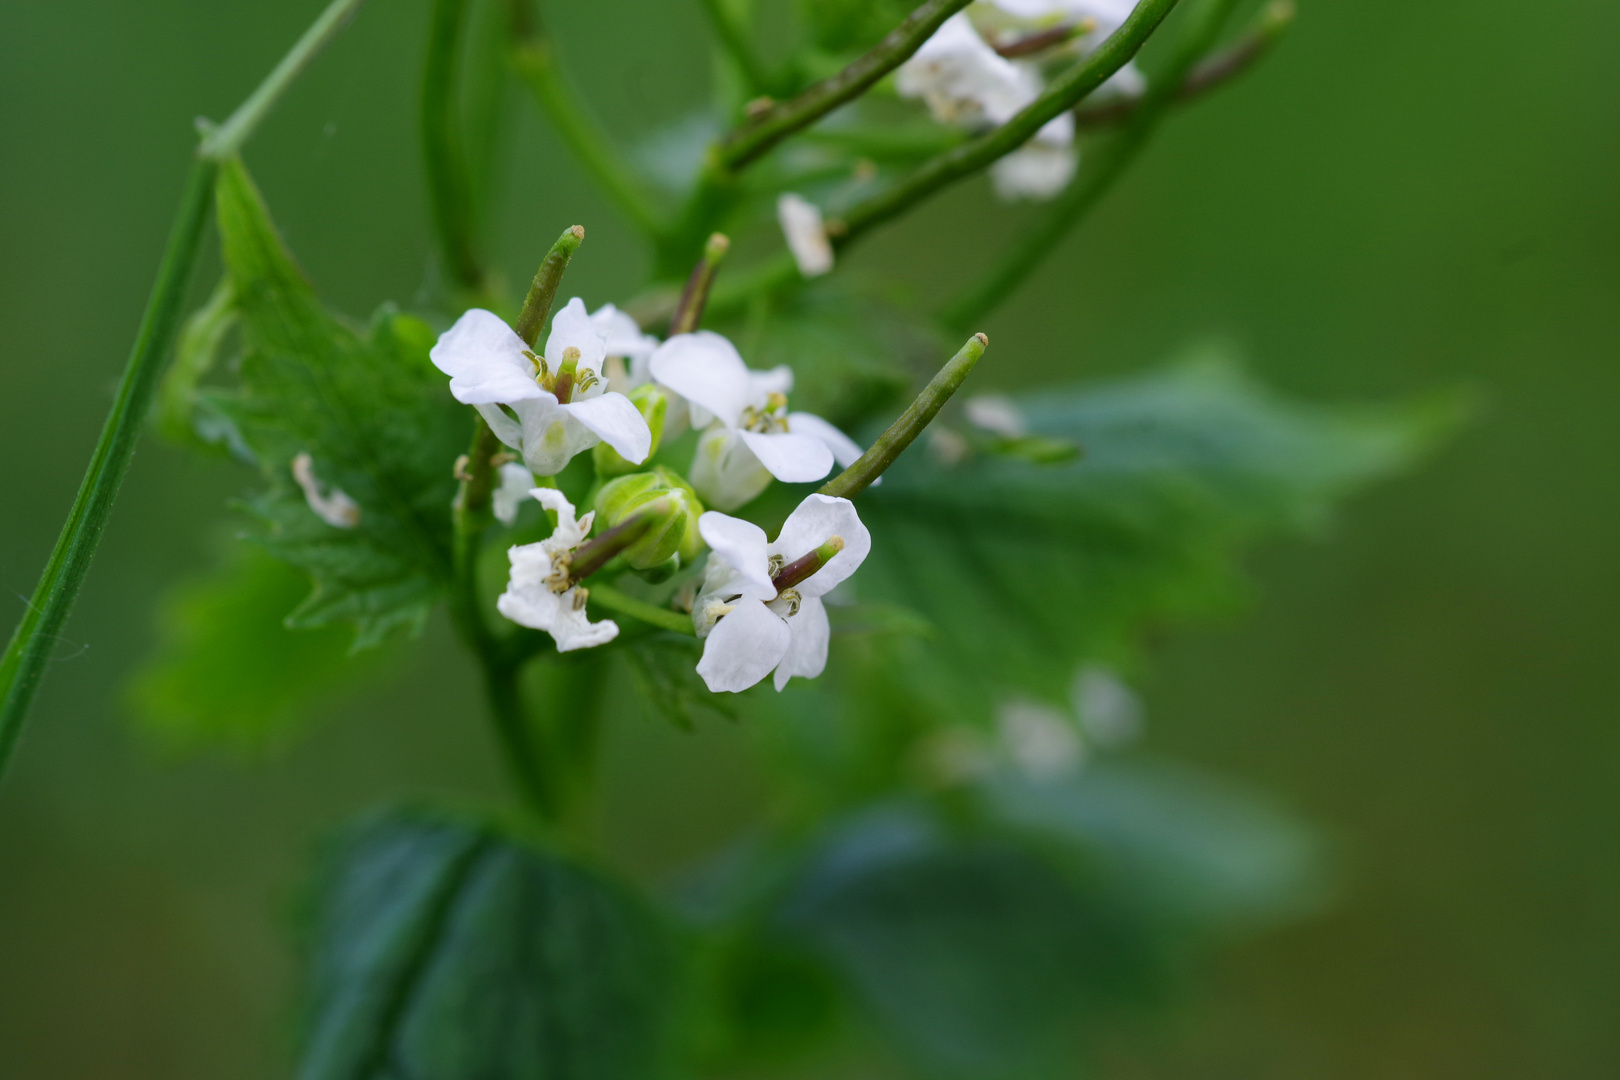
665 494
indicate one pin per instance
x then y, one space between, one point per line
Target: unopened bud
652 402
662 501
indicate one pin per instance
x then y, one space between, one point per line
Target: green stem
734 40
688 314
543 290
29 650
1037 242
536 62
918 415
449 189
605 596
1062 94
780 121
229 137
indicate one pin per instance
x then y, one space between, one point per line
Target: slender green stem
229 137
780 121
688 314
1037 242
1210 73
918 415
449 189
536 63
37 634
734 40
1062 94
605 596
543 290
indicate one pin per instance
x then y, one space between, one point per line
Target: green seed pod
662 498
652 402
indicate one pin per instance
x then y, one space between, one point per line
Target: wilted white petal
818 519
741 547
845 450
570 531
1036 171
805 234
1109 709
1040 740
707 370
725 471
333 507
744 647
617 422
996 414
529 601
792 459
516 483
484 359
621 335
807 650
572 328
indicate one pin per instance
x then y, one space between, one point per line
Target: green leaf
227 671
450 951
665 668
369 409
1028 569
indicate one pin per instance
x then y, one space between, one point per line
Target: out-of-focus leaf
368 408
1190 851
1027 569
195 355
227 670
446 951
665 668
971 951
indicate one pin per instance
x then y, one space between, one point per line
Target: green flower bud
663 499
652 402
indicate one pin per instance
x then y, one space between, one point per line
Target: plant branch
535 60
780 121
228 138
1062 94
918 415
605 596
449 188
1027 253
1210 73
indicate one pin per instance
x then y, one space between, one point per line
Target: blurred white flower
333 507
749 626
996 414
507 498
1109 709
561 404
1038 170
805 233
1040 740
540 594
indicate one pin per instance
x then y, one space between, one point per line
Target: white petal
791 458
997 414
818 519
621 335
845 450
742 546
572 328
805 234
506 429
963 80
762 384
616 422
807 652
724 471
707 370
552 435
516 483
1037 171
484 359
744 647
538 608
570 531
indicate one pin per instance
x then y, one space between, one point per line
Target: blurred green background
1407 196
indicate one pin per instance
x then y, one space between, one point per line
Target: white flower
963 80
1038 170
557 416
539 594
752 437
334 507
516 483
622 337
1109 709
996 414
1108 15
1040 740
749 627
805 234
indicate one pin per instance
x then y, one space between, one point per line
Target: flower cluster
980 70
602 384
